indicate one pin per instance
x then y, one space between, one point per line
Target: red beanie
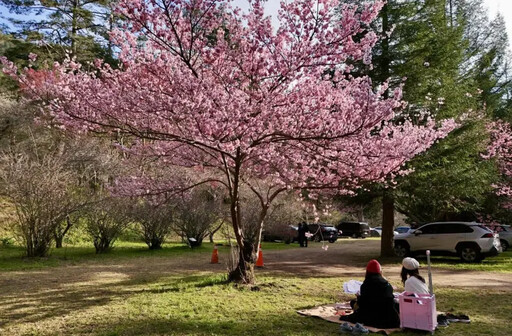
373 267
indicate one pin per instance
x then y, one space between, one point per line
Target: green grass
203 304
109 295
12 257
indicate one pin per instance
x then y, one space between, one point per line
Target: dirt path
349 258
343 259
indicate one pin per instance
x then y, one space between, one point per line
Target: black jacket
376 307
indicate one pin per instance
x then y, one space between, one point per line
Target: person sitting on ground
375 304
413 281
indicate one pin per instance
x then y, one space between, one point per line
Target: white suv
470 241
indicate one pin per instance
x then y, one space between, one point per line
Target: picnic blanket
329 313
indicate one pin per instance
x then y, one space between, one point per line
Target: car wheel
504 245
402 250
332 240
354 236
469 254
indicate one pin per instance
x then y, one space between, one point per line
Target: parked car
377 232
470 241
403 229
354 229
505 233
281 233
323 232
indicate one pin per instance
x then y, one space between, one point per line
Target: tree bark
244 271
59 234
58 241
388 223
212 233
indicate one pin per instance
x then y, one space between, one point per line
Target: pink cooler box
418 311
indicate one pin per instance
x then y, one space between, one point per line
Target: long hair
409 273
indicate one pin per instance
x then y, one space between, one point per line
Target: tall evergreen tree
78 28
427 42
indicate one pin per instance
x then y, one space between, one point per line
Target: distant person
302 229
413 281
375 304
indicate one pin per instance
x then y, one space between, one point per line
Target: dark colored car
322 232
354 229
281 233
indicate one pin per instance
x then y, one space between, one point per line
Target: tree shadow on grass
93 288
285 323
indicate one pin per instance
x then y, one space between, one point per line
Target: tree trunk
102 244
59 233
388 223
74 28
58 241
244 271
360 214
213 232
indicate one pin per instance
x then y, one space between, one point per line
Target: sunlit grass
203 304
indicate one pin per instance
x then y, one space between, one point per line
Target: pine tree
78 28
428 43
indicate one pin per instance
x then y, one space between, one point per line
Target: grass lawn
12 257
79 293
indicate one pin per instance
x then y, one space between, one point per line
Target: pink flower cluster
501 149
209 87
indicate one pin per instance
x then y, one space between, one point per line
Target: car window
454 228
430 229
365 226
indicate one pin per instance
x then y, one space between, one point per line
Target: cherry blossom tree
205 86
500 148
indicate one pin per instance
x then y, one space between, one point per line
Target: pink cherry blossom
500 148
206 87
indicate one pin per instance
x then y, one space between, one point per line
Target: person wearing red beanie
375 304
373 267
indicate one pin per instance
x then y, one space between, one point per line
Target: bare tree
155 221
198 213
105 221
42 193
78 167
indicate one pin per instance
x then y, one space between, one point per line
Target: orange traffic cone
259 261
215 255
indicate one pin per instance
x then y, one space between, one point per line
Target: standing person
375 304
306 230
413 281
302 229
301 234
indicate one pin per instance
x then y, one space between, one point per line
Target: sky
502 6
505 8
